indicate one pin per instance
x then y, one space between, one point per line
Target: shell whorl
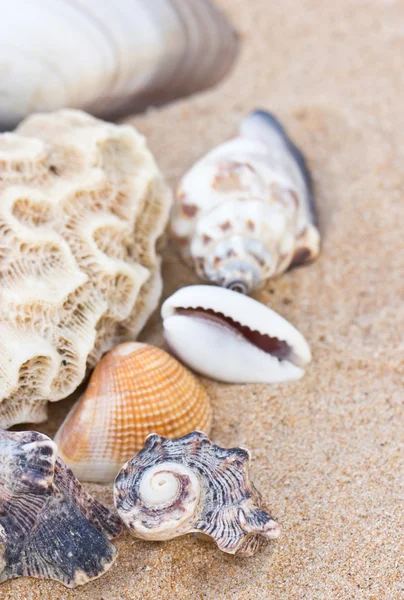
163 484
171 491
237 263
204 489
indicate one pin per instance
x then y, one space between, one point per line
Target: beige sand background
327 450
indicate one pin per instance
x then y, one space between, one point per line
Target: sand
327 450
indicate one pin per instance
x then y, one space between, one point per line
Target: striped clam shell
135 390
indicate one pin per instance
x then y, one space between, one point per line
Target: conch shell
135 390
109 58
231 337
49 526
245 211
189 485
82 206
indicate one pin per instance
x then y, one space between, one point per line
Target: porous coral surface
82 205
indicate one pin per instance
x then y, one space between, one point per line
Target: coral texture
82 205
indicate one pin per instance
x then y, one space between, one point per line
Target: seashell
231 337
135 390
49 526
245 211
107 58
82 204
189 485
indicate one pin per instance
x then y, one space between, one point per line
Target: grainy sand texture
327 450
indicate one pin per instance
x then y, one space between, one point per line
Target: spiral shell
136 389
189 485
239 340
245 211
49 526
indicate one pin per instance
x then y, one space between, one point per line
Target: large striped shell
109 58
245 211
49 526
174 487
135 390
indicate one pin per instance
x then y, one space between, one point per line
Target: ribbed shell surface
135 390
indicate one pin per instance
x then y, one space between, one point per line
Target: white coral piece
82 205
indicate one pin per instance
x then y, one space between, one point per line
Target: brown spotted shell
135 390
49 526
179 486
245 211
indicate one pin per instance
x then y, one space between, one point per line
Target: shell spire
190 485
245 211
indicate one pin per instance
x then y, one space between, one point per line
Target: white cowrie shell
230 337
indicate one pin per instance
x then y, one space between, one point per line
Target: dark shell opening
271 345
239 286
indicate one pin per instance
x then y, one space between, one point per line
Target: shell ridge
98 515
141 390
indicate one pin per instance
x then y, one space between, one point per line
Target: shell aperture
245 211
213 494
266 343
235 338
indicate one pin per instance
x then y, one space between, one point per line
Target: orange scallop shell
135 390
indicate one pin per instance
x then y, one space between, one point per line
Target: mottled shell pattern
49 526
189 485
231 337
82 205
135 390
245 211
